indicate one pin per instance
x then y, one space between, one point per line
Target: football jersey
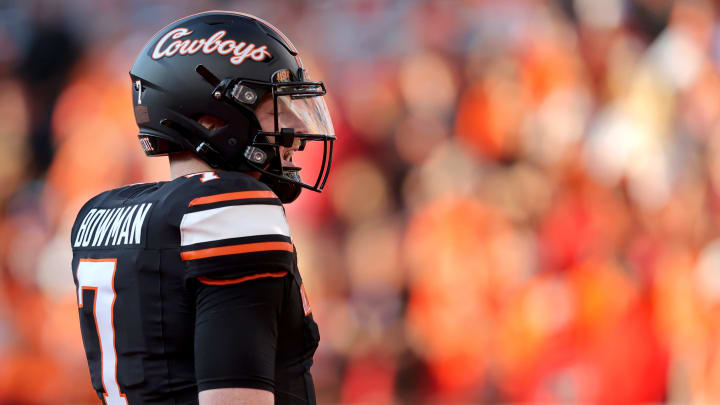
137 251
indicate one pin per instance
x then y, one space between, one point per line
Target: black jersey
142 255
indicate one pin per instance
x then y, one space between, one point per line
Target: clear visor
307 115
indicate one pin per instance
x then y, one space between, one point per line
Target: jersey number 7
99 275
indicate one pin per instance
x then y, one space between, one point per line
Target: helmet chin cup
287 191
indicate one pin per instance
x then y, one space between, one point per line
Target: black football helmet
224 64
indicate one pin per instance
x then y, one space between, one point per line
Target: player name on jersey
112 226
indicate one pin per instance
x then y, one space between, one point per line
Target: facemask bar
297 90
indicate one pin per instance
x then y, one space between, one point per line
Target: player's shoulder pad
82 214
233 226
114 218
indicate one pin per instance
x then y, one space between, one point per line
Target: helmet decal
214 43
289 43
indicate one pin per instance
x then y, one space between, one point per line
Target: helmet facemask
299 117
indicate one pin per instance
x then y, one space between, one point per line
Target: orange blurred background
523 206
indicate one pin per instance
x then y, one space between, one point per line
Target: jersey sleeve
237 234
236 334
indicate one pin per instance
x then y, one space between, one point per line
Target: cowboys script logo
239 50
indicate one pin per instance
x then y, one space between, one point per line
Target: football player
188 290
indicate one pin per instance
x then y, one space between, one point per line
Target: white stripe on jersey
235 221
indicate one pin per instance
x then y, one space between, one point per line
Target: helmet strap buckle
255 155
244 94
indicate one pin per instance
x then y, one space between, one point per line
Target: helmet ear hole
211 122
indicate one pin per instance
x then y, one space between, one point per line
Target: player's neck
186 163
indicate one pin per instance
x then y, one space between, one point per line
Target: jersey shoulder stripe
232 222
236 249
230 233
235 196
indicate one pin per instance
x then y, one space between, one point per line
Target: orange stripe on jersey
240 195
236 249
211 281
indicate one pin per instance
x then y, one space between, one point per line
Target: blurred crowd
523 206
